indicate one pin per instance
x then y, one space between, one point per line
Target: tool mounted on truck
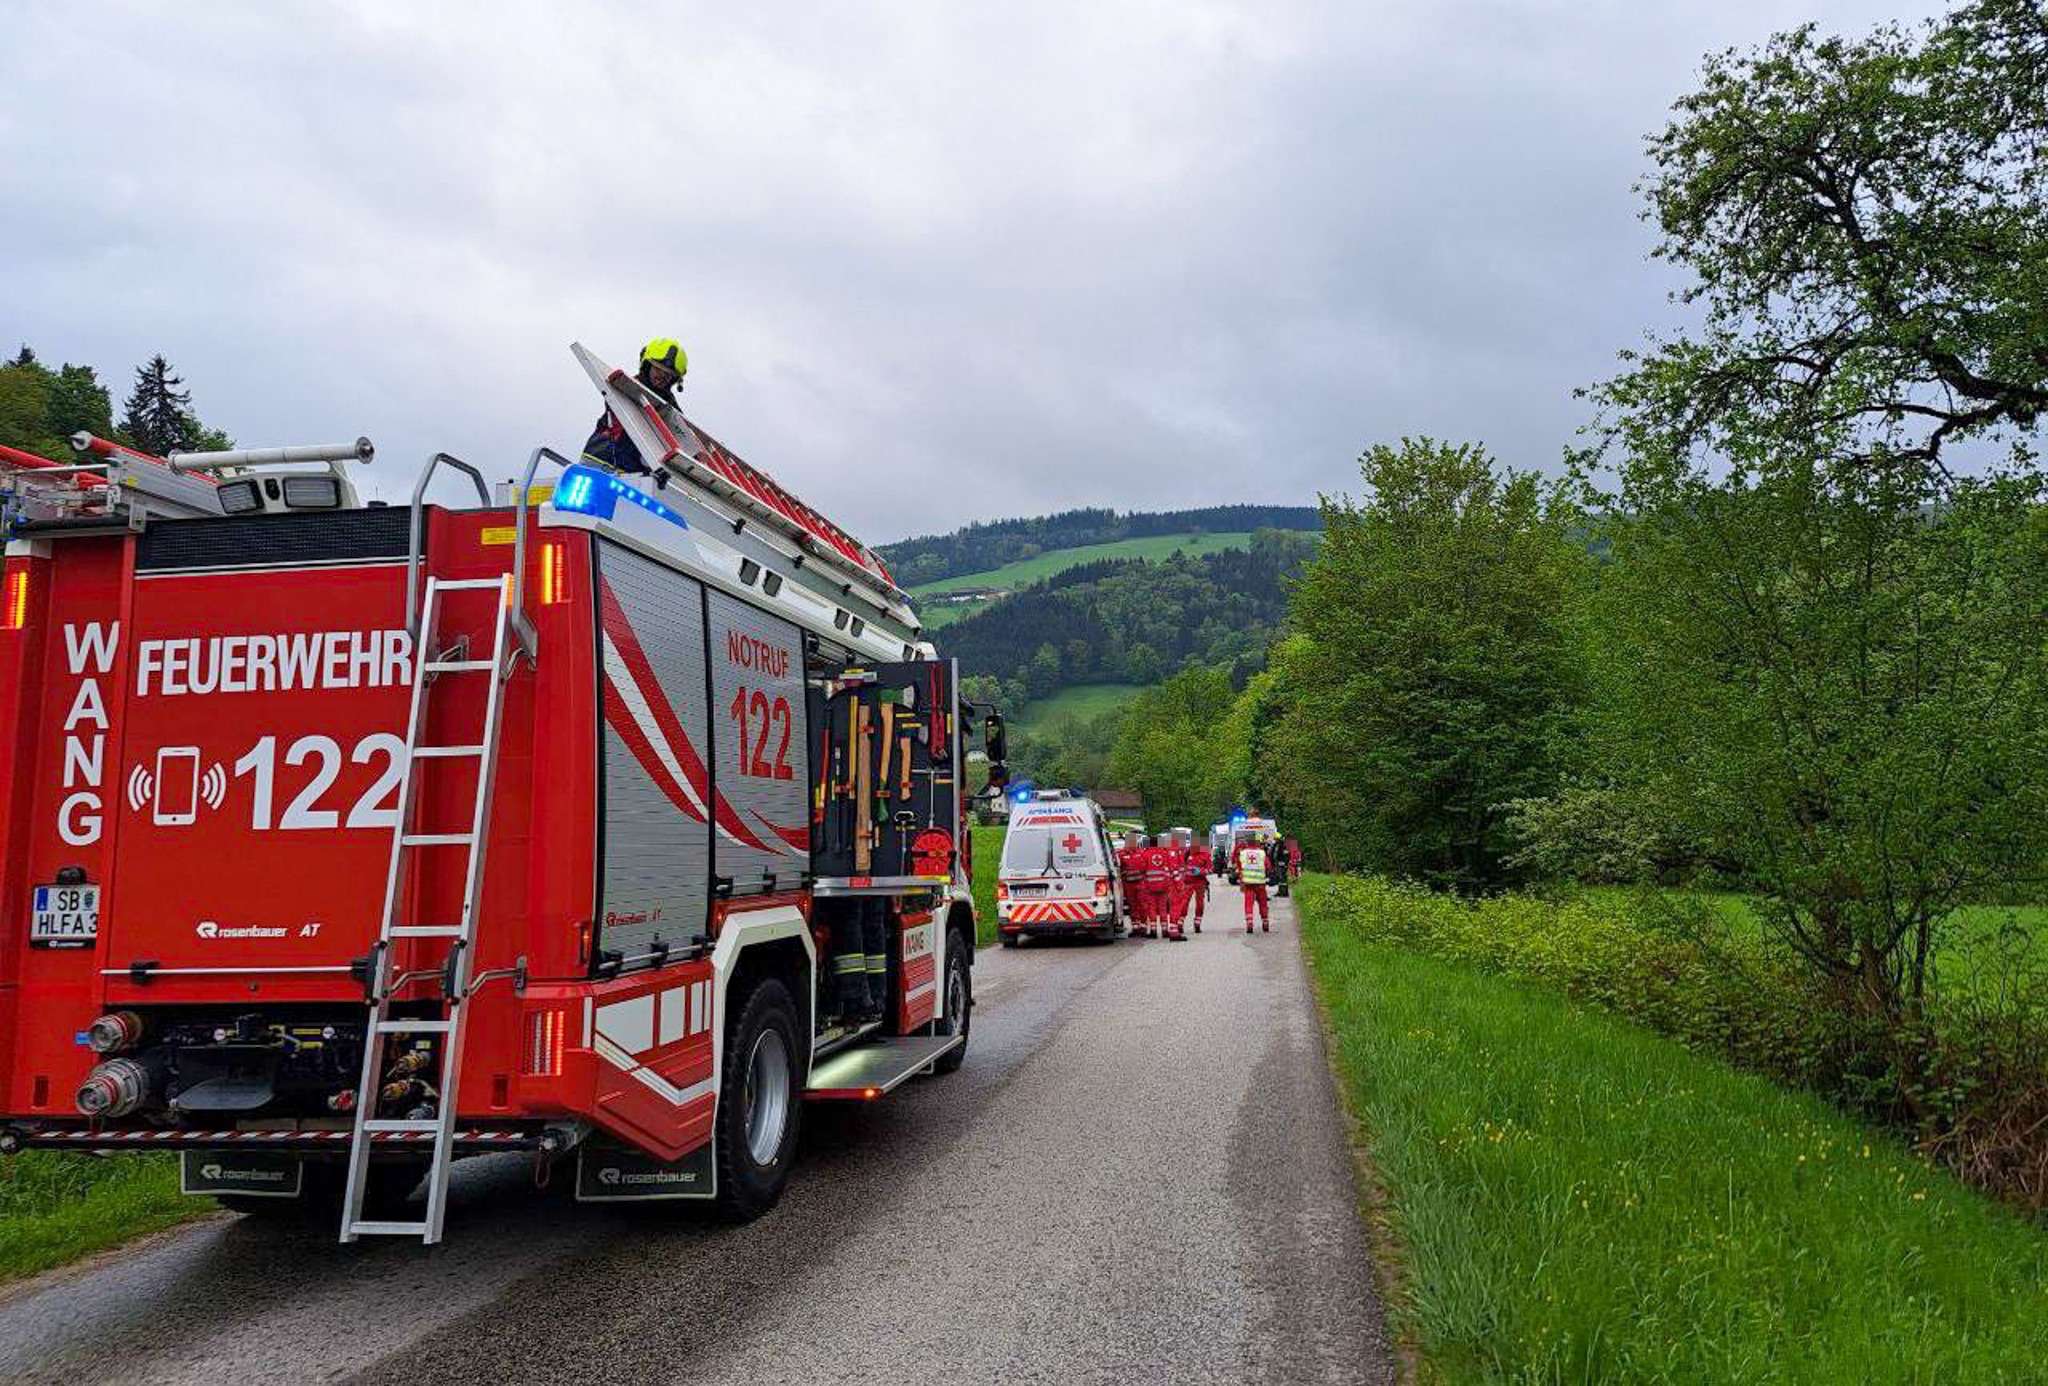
341 842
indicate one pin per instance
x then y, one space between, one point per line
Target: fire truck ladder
437 1131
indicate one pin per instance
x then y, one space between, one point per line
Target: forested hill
1134 621
980 547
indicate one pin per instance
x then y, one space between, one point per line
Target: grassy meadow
1045 565
1083 701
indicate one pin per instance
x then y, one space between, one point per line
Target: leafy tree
1864 224
25 357
1435 668
1163 748
25 407
158 415
1042 674
79 402
1829 646
1834 680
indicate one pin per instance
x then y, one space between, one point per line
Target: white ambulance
1058 873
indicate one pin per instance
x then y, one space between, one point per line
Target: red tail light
1002 891
1101 887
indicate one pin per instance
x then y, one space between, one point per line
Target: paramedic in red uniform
1134 889
1162 864
1250 858
1141 886
1198 880
1176 884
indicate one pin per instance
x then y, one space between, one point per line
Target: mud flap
244 1173
608 1173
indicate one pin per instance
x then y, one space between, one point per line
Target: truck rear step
871 1070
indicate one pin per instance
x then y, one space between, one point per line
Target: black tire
960 970
389 1187
1011 940
750 1183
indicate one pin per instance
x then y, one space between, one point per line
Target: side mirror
995 740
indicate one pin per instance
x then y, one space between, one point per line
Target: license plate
64 916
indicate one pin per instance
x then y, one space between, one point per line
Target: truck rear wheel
959 996
760 1103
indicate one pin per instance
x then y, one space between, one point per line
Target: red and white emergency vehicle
1058 873
342 841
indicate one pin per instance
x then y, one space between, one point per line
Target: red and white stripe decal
1052 912
629 1031
641 714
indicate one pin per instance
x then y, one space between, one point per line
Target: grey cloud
933 263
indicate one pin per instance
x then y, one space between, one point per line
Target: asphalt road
1139 1175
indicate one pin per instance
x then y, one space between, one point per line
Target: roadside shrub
1967 1081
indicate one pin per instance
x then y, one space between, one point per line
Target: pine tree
158 415
25 357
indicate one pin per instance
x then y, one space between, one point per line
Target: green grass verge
988 855
1044 565
1083 702
1576 1199
55 1208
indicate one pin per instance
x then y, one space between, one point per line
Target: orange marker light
546 1030
554 585
16 608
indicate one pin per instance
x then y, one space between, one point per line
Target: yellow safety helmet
668 352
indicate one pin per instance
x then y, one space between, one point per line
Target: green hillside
1014 575
1084 702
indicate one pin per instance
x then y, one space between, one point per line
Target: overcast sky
932 262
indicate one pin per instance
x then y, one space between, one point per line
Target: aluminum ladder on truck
437 1131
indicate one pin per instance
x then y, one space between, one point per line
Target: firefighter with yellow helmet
663 364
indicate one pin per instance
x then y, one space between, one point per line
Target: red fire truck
342 841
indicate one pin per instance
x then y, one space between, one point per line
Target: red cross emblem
1072 842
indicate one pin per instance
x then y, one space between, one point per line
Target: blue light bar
588 491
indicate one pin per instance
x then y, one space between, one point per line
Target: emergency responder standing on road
1127 851
1198 879
1161 865
1250 859
663 364
1176 883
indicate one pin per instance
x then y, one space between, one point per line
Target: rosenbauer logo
214 1174
612 1177
209 929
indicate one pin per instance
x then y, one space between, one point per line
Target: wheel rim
956 998
767 1096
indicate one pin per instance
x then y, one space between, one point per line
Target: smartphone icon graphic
177 787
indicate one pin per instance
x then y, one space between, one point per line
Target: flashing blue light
588 491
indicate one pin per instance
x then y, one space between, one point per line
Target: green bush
1680 966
